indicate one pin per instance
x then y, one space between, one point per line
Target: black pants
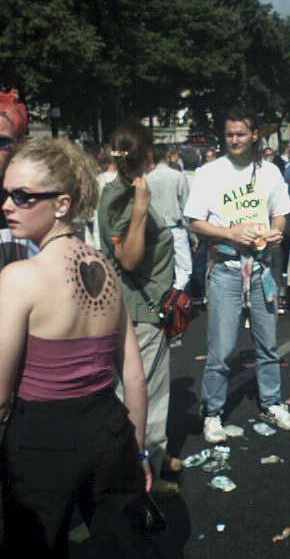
60 453
280 255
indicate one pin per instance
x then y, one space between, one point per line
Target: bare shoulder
91 272
19 275
106 262
111 276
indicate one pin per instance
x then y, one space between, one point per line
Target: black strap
150 303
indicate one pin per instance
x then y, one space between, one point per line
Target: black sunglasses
5 142
24 199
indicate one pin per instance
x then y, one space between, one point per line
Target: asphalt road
259 507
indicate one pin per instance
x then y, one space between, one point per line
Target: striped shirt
14 249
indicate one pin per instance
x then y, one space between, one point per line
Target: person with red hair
13 127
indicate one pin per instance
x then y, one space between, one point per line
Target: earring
57 214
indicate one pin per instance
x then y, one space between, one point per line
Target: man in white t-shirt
239 203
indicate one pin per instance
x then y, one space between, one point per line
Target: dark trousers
199 257
280 255
60 453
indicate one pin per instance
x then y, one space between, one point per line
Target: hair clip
119 153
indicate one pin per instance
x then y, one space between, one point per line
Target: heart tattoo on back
93 277
95 288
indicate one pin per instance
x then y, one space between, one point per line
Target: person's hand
142 195
243 234
274 236
148 476
193 240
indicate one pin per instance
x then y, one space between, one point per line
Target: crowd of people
84 361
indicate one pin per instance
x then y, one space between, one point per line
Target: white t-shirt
225 194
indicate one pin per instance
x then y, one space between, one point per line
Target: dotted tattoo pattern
95 286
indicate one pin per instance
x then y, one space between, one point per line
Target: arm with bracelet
129 363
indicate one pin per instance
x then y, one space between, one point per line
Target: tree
185 44
113 58
265 83
49 50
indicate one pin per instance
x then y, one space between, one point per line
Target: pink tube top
67 368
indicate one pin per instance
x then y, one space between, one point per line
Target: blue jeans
224 317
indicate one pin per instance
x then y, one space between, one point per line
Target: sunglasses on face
24 199
6 142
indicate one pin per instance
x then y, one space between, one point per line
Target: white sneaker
278 415
213 430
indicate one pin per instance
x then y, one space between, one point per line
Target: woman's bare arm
129 363
131 251
14 313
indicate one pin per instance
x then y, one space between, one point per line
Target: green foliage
46 39
122 57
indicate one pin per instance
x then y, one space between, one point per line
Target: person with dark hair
239 203
13 127
281 255
174 159
283 156
268 154
139 244
67 438
210 155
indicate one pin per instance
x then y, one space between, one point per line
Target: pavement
258 509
